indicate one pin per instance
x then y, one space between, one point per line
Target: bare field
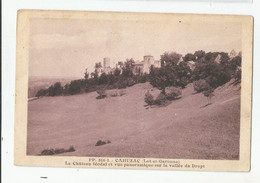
185 129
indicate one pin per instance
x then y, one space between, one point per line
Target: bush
172 93
71 149
57 151
200 85
148 98
101 142
161 99
102 93
48 152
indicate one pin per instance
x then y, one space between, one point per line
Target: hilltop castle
143 67
140 67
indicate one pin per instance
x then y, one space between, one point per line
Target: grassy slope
183 129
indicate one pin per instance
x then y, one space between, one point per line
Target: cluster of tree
216 68
173 72
120 77
57 89
216 74
171 93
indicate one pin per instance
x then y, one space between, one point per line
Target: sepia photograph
134 88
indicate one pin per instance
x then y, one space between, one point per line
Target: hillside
186 128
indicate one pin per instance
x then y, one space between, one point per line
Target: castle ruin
139 67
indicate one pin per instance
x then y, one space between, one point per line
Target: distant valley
37 83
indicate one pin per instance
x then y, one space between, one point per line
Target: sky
64 48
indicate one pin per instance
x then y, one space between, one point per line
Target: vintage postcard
133 90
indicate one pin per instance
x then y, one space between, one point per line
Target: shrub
71 149
102 93
172 93
161 99
101 142
200 85
57 151
148 98
48 152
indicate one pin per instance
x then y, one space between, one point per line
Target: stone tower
106 62
148 61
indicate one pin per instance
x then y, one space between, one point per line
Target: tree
200 85
74 87
41 93
111 78
209 94
169 59
130 63
117 72
215 74
170 74
97 70
199 54
66 89
148 98
183 72
163 77
120 64
189 57
224 58
128 68
55 89
86 75
98 65
235 63
58 88
210 56
103 79
237 76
